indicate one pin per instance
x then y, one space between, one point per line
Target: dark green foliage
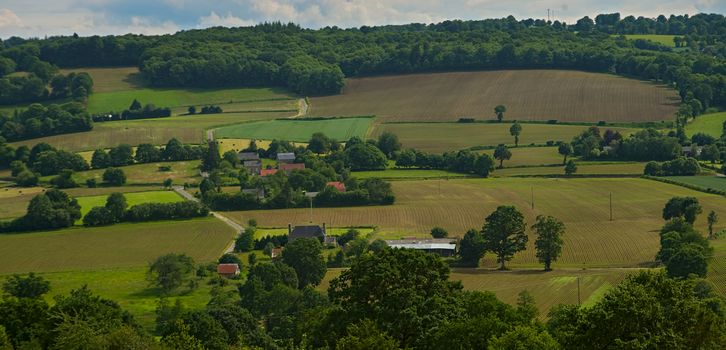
646 311
549 241
64 180
438 232
501 153
504 234
645 145
471 248
47 160
171 271
524 337
98 216
147 153
500 109
100 159
114 177
166 211
319 143
306 257
565 149
245 242
364 156
516 130
32 286
50 210
388 144
121 155
685 207
27 178
405 292
229 259
211 158
39 120
348 236
680 166
570 167
366 335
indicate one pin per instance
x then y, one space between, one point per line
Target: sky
40 18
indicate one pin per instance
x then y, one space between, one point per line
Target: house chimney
289 229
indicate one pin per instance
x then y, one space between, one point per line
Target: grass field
132 199
631 239
181 172
666 40
188 129
112 79
714 182
440 137
15 199
527 94
129 287
297 130
116 246
711 124
528 156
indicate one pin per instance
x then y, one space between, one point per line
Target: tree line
116 210
317 61
39 120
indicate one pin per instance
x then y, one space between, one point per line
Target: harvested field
527 94
112 79
297 130
116 246
717 266
592 168
631 239
441 137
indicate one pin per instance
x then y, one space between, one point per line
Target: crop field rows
631 239
440 137
527 94
117 246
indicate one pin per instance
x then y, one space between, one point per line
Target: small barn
286 157
228 270
245 156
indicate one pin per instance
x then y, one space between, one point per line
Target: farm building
287 157
337 185
291 166
253 166
228 270
441 246
309 231
245 156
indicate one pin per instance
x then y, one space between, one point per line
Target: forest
315 62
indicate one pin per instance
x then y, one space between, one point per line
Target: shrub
114 177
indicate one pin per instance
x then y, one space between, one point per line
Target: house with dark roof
309 231
441 246
692 151
288 167
228 270
287 157
245 156
253 166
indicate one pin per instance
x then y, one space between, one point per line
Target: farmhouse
309 231
253 166
692 151
337 185
287 157
245 156
228 270
291 166
441 246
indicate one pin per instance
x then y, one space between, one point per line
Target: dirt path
238 228
302 108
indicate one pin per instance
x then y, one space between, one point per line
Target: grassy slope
527 94
629 240
440 137
116 246
666 40
300 131
132 199
711 124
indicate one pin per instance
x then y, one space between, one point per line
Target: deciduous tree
515 130
504 234
549 242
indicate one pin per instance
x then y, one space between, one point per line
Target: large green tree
471 248
305 255
685 207
504 234
549 242
565 149
31 286
499 111
515 130
502 153
171 271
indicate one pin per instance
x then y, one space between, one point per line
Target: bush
438 232
166 211
114 177
98 216
677 167
64 180
27 178
91 183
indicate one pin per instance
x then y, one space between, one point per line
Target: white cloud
215 20
9 19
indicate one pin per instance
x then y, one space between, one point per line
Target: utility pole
532 189
578 291
548 15
611 206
